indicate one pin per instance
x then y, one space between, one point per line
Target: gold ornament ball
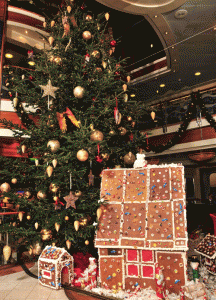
88 18
27 194
112 132
5 187
129 158
86 35
54 145
46 234
122 130
37 249
14 180
55 198
66 218
41 195
87 242
129 118
78 193
82 155
79 92
96 54
28 217
53 187
96 135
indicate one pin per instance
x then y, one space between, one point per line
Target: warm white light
9 55
162 85
31 63
26 31
197 73
132 95
151 45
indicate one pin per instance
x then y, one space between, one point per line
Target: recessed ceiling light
162 85
8 55
31 63
197 73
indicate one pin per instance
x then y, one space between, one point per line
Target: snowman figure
140 161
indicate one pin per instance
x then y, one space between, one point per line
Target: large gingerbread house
51 263
142 225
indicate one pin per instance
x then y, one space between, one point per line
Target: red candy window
147 255
147 271
46 274
132 270
132 255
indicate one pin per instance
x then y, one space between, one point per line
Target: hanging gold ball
28 217
129 118
105 156
53 187
96 135
41 195
78 193
82 155
96 54
79 92
5 187
27 194
37 249
129 158
86 35
88 18
112 132
14 180
46 234
54 145
122 130
83 222
66 218
87 242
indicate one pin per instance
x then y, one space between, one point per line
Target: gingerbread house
207 249
51 264
142 225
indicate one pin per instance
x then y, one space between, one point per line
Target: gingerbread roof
53 253
207 247
143 208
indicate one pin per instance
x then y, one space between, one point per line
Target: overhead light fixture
31 63
197 73
162 85
8 55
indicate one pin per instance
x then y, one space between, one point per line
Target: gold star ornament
49 90
70 199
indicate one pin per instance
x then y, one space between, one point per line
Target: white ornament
140 161
49 90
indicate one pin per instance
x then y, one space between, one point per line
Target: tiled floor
20 286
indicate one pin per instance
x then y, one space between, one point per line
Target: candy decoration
82 155
86 35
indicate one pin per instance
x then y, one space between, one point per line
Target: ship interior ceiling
170 53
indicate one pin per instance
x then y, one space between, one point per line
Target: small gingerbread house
142 224
207 249
51 263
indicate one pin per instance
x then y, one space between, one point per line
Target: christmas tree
79 122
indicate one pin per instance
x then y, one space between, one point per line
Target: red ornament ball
113 43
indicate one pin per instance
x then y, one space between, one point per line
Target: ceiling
183 32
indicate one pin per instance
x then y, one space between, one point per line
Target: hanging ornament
5 187
57 227
27 194
79 92
36 225
124 87
96 135
107 16
69 9
49 90
95 54
53 188
153 115
51 40
76 225
128 78
14 180
129 158
112 132
20 216
86 242
78 193
99 213
129 118
28 217
83 222
46 234
68 244
49 171
37 248
122 130
54 162
86 35
88 18
52 23
23 148
105 156
62 119
66 26
70 199
66 218
117 114
15 102
36 162
44 24
7 252
82 155
41 195
54 145
104 64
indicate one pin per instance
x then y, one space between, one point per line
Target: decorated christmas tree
77 120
